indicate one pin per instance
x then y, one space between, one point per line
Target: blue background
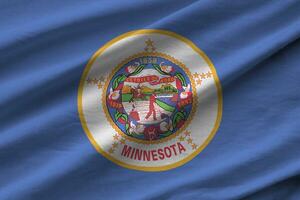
44 47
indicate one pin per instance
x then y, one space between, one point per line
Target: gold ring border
142 168
167 57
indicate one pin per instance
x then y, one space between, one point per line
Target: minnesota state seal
150 100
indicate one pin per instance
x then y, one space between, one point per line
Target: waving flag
149 99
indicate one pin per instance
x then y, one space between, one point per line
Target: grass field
127 97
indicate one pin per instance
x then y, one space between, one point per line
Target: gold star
99 85
95 81
194 146
115 145
89 81
203 76
149 46
199 81
149 42
116 137
190 141
196 75
123 141
187 133
208 74
102 79
181 138
111 150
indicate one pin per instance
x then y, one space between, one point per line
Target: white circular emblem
150 100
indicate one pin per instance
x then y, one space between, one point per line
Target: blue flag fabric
45 47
